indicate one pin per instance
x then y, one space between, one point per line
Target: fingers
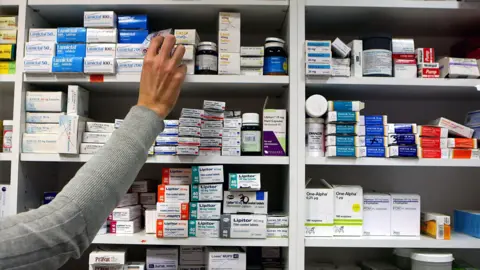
155 45
167 47
178 55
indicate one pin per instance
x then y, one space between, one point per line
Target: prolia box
274 132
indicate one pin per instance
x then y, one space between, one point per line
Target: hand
162 75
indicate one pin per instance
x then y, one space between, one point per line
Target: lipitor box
90 148
205 210
100 127
41 128
207 192
453 127
376 214
77 101
101 50
102 35
405 215
129 51
148 198
192 255
96 137
162 258
99 65
125 66
226 258
172 229
173 193
71 132
42 34
204 228
274 132
255 202
99 19
348 219
229 63
40 48
71 50
39 143
244 181
103 257
187 36
37 64
243 226
128 199
32 117
207 174
173 211
125 227
319 210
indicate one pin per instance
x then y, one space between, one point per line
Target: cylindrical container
275 59
206 60
377 57
316 106
7 136
315 137
402 258
251 135
431 261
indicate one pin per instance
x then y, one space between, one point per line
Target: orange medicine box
436 225
432 131
464 154
173 193
464 143
172 228
432 153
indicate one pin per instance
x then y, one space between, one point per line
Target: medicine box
229 42
189 131
210 143
255 202
132 36
403 46
319 209
187 36
175 211
458 68
274 132
37 101
318 69
77 101
204 228
102 35
340 48
103 257
405 215
165 150
99 19
125 66
37 64
277 221
67 65
71 50
348 219
192 255
277 232
207 192
213 116
189 52
211 105
172 229
315 46
90 148
148 198
188 141
150 221
133 21
101 50
9 67
167 140
210 151
32 117
229 21
99 65
129 50
176 176
71 35
453 127
231 151
162 258
319 58
187 150
8 36
252 61
207 174
135 266
376 214
249 71
244 181
127 213
231 141
173 193
229 63
8 22
192 113
211 132
356 58
128 199
100 127
32 48
205 210
252 51
243 226
226 258
39 143
41 128
436 225
42 34
190 122
96 137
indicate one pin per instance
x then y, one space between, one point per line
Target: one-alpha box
243 226
348 219
319 209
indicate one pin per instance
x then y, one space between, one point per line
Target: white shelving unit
436 24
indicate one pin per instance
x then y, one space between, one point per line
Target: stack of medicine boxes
232 140
341 64
71 50
403 56
43 116
129 54
244 204
192 257
173 203
433 142
8 29
96 136
229 43
189 132
251 61
318 55
189 39
207 195
126 218
403 141
212 127
40 50
167 141
102 40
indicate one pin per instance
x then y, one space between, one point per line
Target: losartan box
228 258
274 132
319 210
405 215
255 202
243 226
348 219
376 214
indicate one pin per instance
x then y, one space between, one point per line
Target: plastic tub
431 261
402 258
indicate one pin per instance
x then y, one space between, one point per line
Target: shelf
458 241
194 84
375 87
410 17
6 157
142 238
165 159
398 162
7 82
4 3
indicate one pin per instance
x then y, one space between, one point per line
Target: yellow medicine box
7 67
7 52
8 36
8 22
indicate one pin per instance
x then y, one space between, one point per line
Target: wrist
158 110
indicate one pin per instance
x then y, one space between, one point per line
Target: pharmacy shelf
160 2
7 82
142 238
165 159
400 162
410 17
395 87
9 3
6 157
204 84
458 241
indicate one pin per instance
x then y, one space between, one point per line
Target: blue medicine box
133 22
132 36
49 196
67 64
72 35
71 50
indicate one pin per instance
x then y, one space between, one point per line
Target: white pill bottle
315 137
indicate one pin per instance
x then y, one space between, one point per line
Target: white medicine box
376 214
405 215
319 209
348 219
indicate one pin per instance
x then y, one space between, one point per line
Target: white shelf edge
160 2
398 162
263 160
311 81
9 3
6 156
393 4
142 238
7 78
458 241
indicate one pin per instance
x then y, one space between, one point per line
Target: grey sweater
49 236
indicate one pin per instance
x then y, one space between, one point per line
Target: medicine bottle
207 58
275 59
7 135
251 135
